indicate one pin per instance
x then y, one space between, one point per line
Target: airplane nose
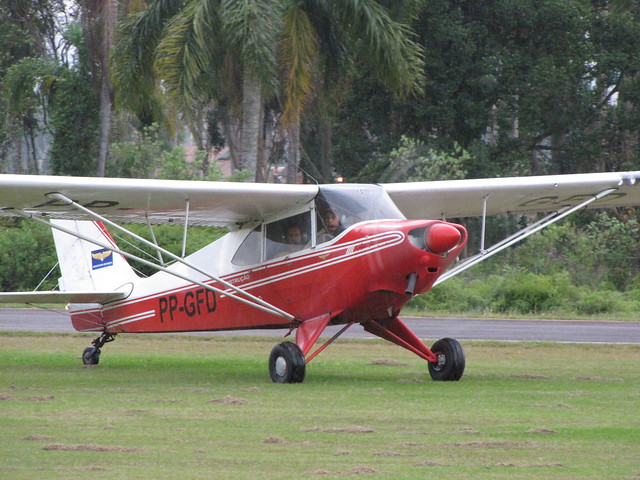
441 237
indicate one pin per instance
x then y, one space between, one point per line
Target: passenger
294 240
293 236
332 226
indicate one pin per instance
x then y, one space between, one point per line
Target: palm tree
322 41
98 19
204 53
209 48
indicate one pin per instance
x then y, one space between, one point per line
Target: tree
208 48
29 32
98 19
527 87
327 43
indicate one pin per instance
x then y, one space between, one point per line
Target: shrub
27 254
524 292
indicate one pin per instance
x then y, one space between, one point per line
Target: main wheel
91 356
450 364
287 363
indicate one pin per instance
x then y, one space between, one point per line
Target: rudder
86 266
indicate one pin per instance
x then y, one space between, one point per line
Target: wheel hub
281 366
442 361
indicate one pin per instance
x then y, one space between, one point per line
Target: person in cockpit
332 226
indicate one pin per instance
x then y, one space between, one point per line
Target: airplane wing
60 297
227 203
160 201
465 198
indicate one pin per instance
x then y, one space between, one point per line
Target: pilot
293 236
332 225
293 240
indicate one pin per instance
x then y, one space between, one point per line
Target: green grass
202 407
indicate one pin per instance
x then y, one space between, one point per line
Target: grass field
182 407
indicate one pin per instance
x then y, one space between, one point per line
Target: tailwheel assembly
287 363
91 355
451 362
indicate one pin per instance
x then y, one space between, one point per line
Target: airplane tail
85 266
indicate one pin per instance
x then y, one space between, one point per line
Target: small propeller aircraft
297 257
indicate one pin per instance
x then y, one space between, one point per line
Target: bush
592 303
515 291
27 254
525 292
27 251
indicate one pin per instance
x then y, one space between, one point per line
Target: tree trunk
293 153
251 122
326 166
99 19
105 124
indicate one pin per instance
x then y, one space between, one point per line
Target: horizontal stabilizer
60 297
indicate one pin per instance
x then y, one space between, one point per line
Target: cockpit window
276 239
337 207
340 206
250 251
288 235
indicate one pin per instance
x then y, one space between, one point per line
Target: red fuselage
363 275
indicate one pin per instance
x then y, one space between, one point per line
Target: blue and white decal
101 258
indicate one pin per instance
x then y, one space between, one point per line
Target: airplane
359 253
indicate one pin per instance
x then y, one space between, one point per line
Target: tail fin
86 266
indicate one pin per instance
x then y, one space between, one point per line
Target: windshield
354 203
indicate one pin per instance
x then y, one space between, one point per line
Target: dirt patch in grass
353 471
496 444
533 376
48 398
7 397
359 470
91 448
38 438
229 400
351 429
429 464
388 363
274 441
392 454
542 431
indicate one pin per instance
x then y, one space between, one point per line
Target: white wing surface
228 203
161 201
60 297
465 198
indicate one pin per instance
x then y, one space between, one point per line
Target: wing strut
249 300
516 237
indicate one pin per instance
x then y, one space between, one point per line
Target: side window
250 252
288 235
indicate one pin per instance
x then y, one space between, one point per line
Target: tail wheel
91 356
451 362
287 363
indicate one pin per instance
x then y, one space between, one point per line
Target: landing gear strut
91 355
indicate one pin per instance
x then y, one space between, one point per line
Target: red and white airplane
297 257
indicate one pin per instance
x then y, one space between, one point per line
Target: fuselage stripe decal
131 319
335 261
379 241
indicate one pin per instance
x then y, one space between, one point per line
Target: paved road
427 328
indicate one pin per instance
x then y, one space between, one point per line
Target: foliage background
475 89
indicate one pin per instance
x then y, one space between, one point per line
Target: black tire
451 362
287 363
91 356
